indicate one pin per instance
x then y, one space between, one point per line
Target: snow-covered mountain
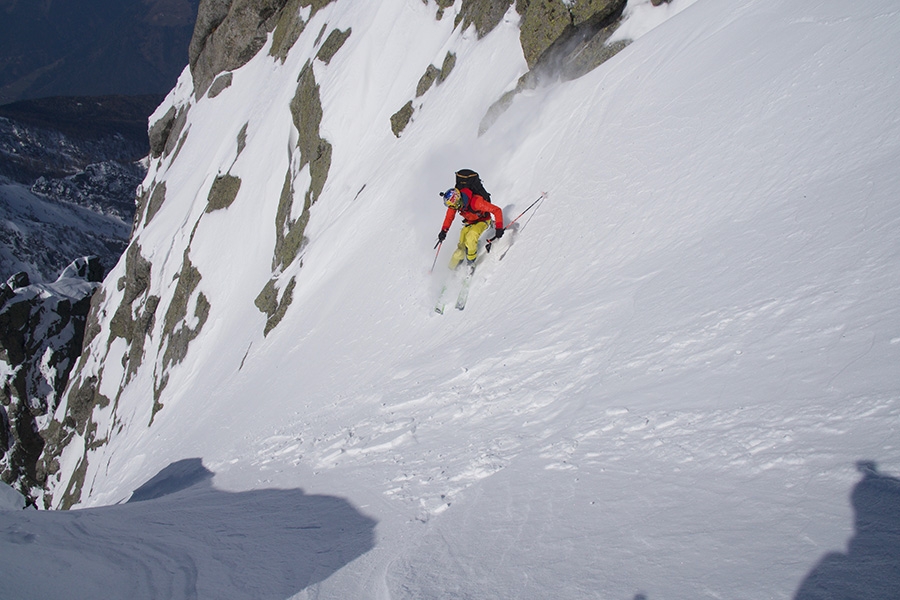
668 380
69 168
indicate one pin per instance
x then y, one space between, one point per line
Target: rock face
229 33
560 39
552 25
41 332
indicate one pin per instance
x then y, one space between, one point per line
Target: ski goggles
453 199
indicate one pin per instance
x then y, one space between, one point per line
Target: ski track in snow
749 440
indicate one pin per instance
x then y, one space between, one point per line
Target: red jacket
475 210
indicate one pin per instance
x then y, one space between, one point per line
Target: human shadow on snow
871 566
179 537
180 475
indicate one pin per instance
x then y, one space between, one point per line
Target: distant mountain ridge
54 137
69 168
92 48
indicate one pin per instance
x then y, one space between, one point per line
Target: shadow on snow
178 537
870 569
871 566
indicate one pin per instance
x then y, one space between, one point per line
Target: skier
468 199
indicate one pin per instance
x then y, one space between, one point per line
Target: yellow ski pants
468 242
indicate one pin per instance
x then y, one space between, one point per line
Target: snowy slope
662 390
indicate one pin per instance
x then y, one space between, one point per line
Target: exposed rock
221 83
590 54
306 111
242 139
289 238
427 80
484 14
229 33
433 74
315 152
150 203
548 25
178 332
41 333
135 314
159 132
447 67
332 44
401 118
223 192
543 22
175 138
561 41
287 30
443 4
268 302
81 400
218 45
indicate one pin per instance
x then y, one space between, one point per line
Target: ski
464 290
442 301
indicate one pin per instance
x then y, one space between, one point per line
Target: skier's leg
472 233
460 253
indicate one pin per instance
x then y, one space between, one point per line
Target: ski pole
438 246
487 245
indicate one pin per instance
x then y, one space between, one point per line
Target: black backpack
467 178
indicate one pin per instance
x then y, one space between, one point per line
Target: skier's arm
482 205
448 219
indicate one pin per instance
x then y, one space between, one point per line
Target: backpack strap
466 195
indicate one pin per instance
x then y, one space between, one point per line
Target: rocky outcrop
315 153
560 39
131 322
332 44
166 132
401 118
178 332
42 328
485 15
431 76
551 29
224 190
229 33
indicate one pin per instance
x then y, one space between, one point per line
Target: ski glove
442 235
498 233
